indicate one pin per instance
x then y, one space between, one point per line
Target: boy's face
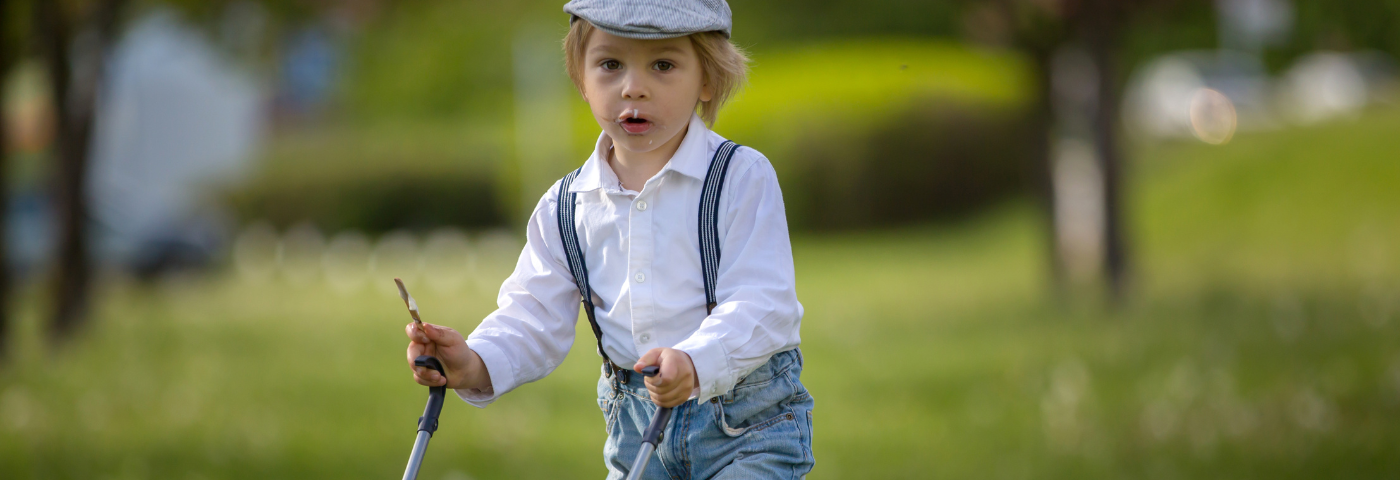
642 92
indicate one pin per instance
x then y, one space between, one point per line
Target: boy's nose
634 89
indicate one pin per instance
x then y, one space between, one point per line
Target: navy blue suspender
708 229
709 219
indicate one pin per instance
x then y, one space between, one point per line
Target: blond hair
722 64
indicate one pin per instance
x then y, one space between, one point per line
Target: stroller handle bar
428 423
655 431
652 436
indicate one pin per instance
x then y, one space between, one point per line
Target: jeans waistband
635 382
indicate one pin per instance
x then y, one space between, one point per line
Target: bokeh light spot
1213 118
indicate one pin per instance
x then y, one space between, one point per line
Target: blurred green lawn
1262 342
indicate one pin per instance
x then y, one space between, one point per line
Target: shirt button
641 205
644 338
640 277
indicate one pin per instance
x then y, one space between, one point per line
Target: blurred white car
1161 94
1196 93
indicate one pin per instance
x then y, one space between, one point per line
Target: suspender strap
577 266
709 219
709 238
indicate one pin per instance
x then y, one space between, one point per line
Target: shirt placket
640 260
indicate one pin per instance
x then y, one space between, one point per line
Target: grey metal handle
428 423
652 436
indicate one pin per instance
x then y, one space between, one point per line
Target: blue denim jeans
761 429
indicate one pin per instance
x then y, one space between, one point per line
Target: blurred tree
760 23
1102 23
205 10
1340 25
9 52
1040 28
73 37
1116 34
1036 28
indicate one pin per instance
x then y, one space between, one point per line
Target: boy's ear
706 92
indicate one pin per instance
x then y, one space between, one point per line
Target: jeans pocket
746 427
756 405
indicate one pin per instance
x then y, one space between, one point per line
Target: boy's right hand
464 367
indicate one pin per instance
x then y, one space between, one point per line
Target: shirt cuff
711 366
498 366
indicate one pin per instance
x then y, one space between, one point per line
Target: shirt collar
691 158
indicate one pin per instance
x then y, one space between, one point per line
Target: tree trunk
7 55
1103 24
1038 35
74 105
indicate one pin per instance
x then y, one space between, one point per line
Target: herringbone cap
653 19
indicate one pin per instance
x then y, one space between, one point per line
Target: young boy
706 294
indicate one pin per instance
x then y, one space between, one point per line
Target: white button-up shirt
643 256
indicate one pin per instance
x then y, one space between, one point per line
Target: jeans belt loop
617 375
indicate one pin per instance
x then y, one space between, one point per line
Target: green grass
1263 342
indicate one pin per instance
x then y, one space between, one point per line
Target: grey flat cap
653 19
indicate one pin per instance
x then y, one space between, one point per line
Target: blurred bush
884 131
933 160
862 133
377 179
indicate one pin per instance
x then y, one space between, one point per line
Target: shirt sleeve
532 329
757 312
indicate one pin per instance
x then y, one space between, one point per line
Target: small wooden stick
412 308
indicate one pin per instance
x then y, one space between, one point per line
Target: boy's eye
664 65
612 65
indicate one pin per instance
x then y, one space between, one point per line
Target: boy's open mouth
636 125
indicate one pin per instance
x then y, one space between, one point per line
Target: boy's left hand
677 378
